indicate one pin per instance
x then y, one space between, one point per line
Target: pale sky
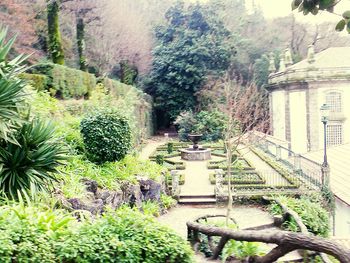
277 8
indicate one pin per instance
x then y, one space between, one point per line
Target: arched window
334 101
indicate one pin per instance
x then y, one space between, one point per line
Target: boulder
91 185
93 206
132 194
113 199
150 189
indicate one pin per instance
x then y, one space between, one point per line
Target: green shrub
209 123
313 215
107 136
31 234
160 159
170 147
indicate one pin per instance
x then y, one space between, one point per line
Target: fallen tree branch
288 240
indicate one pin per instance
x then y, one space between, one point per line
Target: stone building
298 91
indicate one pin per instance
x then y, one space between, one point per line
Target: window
334 134
334 101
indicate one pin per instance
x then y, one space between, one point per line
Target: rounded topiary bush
107 136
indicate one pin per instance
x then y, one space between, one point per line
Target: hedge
234 180
38 81
65 82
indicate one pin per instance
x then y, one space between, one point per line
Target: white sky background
278 8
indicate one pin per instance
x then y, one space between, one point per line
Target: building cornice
299 77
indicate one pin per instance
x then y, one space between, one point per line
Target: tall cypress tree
81 43
55 41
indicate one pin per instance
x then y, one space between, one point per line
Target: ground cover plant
309 208
39 234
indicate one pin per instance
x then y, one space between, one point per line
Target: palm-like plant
11 88
30 163
29 154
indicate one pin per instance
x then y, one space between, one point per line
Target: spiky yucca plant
11 88
29 154
30 164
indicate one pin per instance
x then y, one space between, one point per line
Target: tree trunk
81 43
54 35
286 241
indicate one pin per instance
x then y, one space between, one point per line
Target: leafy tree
192 44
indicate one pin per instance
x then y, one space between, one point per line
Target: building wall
343 118
298 124
278 114
342 219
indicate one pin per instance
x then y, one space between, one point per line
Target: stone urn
195 138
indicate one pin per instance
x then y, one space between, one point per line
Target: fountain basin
199 154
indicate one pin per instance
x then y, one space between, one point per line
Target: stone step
197 201
188 196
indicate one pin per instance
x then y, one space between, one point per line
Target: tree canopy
192 44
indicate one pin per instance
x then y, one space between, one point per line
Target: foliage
170 147
159 159
54 35
29 165
167 201
44 235
81 43
190 45
11 88
211 124
107 136
108 175
313 215
150 208
65 82
241 250
38 81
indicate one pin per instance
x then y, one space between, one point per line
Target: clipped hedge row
39 81
68 83
278 168
241 178
65 82
246 165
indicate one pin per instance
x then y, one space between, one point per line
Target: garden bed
247 177
278 168
222 164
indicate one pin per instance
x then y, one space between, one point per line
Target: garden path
151 146
196 177
245 216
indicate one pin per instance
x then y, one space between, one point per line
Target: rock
112 199
150 189
132 194
95 206
91 185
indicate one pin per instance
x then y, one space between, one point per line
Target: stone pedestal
195 155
